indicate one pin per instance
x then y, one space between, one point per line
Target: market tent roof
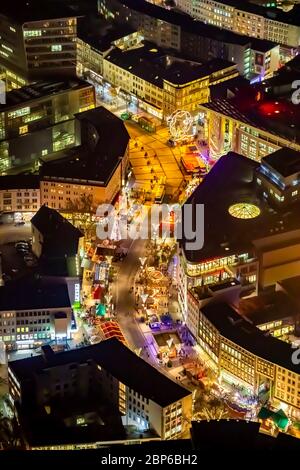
280 419
264 413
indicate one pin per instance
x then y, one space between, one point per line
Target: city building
77 180
246 237
253 123
20 195
56 243
252 358
107 372
273 312
163 83
95 38
278 176
93 173
33 312
37 42
255 58
38 120
247 18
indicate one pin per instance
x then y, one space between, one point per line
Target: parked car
19 223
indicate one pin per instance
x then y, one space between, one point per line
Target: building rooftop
99 34
268 307
241 332
284 161
155 65
189 25
271 13
93 164
232 434
30 10
33 294
275 115
119 361
40 89
19 182
291 287
228 88
235 213
60 237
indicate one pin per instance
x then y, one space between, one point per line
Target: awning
278 417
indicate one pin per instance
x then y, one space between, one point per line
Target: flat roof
155 65
100 34
275 115
268 307
232 181
285 161
19 182
60 237
86 165
30 10
189 25
41 89
119 361
33 294
244 334
291 287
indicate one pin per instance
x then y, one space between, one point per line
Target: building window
23 129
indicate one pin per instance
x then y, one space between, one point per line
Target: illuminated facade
38 48
252 21
99 369
163 83
34 319
19 195
227 130
171 29
251 367
38 120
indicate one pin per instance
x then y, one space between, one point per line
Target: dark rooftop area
284 161
268 307
230 182
291 287
132 370
189 25
93 165
236 436
100 34
241 332
28 294
40 89
276 115
24 11
54 227
155 65
19 182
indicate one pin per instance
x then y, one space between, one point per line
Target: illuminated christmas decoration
244 210
180 123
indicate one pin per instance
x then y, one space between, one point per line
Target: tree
83 207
